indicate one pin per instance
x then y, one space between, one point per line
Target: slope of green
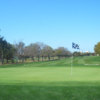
77 61
51 80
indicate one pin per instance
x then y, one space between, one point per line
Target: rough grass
51 80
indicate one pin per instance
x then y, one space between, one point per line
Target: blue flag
75 46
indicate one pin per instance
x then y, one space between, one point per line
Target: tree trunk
48 57
16 60
38 58
7 61
59 57
2 59
33 58
22 60
53 57
42 58
12 60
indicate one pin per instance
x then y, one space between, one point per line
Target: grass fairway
51 80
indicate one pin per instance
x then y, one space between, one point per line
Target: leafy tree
7 51
10 52
77 53
3 45
97 48
62 52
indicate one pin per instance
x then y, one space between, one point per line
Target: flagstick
71 63
74 46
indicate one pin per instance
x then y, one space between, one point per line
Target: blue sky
54 22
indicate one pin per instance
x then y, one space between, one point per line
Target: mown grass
23 92
51 80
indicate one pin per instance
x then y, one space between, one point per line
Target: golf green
50 81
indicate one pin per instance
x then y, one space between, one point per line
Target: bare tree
47 51
20 50
35 50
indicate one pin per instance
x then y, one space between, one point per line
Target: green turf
51 80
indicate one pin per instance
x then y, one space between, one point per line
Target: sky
53 22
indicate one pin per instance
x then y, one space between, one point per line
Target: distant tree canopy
19 52
97 48
39 51
83 54
45 51
62 51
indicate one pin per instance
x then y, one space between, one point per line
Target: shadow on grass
51 91
67 83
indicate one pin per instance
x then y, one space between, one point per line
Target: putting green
49 75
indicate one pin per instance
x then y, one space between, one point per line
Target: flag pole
74 46
71 64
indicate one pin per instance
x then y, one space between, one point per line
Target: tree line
19 52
